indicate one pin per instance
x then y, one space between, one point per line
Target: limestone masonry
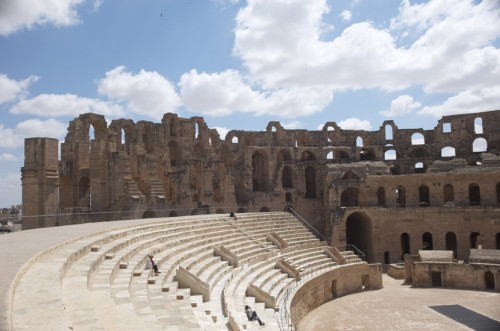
390 192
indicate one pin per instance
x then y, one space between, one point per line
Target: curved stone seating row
99 282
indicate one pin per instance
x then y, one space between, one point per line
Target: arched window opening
395 169
423 195
474 195
210 141
84 195
451 243
329 156
350 175
427 244
234 140
419 168
366 155
401 196
474 236
446 127
310 174
478 125
196 130
91 132
350 197
287 177
390 155
273 128
388 132
260 172
405 244
480 145
123 137
417 139
359 142
381 197
448 194
308 156
288 197
448 151
284 155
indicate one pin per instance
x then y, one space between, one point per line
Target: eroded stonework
390 192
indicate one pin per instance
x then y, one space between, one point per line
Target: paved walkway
399 307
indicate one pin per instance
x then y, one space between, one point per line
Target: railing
309 226
285 322
351 247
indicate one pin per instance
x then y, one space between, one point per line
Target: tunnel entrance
359 233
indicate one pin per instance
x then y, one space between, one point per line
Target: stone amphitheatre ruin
305 201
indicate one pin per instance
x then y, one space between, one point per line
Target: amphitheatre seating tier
98 280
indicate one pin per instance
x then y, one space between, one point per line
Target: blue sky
241 64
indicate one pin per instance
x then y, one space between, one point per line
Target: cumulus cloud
404 104
292 125
9 138
469 101
147 93
11 89
25 14
53 105
220 94
355 124
13 138
222 131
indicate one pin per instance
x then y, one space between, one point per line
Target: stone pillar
40 181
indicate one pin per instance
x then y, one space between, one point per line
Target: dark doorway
489 280
310 182
149 214
286 177
381 197
405 244
401 196
387 258
451 243
498 240
359 233
334 289
350 197
474 195
436 278
473 239
423 195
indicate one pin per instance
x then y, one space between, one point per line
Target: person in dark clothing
153 265
252 315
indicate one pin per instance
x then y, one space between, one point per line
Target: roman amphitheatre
332 229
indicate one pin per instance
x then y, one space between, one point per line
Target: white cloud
8 157
346 15
40 128
10 190
292 125
9 138
220 94
51 105
222 131
19 14
11 89
355 124
147 93
469 101
404 104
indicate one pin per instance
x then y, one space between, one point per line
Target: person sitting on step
252 315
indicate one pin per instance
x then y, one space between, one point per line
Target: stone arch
284 155
423 195
448 151
474 194
350 175
381 197
359 141
390 154
427 244
388 132
448 193
310 174
417 139
405 244
420 168
175 153
366 154
84 192
329 155
473 240
260 171
395 169
350 197
451 243
308 156
479 145
287 177
149 214
359 232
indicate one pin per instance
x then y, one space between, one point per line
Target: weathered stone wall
125 170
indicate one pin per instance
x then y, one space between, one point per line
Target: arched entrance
149 214
359 233
489 280
350 197
451 243
427 244
405 244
